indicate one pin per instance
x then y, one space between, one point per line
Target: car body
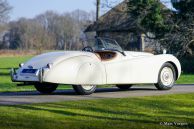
107 64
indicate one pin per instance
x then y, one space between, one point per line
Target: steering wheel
88 49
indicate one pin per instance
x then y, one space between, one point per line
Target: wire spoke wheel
84 89
167 77
87 87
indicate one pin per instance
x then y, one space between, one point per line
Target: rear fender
91 73
76 70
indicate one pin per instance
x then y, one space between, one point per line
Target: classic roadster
104 64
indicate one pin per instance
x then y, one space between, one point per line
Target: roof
115 20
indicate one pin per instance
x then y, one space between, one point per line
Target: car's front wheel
84 89
124 87
46 88
167 77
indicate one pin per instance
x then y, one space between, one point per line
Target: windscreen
104 44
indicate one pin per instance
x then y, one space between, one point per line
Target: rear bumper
18 77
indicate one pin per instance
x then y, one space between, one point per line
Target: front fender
160 60
172 60
169 59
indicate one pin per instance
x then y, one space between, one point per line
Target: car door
129 70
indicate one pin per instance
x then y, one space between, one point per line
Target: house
119 25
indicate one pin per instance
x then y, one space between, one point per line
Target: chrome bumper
15 77
13 74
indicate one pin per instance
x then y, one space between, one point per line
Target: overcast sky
31 8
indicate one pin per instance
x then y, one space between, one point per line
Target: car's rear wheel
124 87
166 78
84 89
46 88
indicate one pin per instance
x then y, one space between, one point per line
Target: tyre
124 87
167 77
46 88
84 90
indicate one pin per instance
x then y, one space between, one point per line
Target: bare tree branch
5 8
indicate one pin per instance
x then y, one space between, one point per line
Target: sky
32 8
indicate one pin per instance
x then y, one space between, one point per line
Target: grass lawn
9 62
5 64
135 113
12 62
186 79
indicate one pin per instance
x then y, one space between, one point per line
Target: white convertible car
104 64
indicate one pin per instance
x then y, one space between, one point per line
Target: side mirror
164 51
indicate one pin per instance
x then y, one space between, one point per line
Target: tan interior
106 55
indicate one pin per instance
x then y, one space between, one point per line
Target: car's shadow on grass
71 92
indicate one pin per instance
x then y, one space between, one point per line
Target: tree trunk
97 9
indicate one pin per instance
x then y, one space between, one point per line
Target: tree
150 16
172 29
184 25
50 30
64 28
28 34
5 8
184 7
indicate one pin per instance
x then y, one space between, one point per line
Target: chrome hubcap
88 87
167 76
